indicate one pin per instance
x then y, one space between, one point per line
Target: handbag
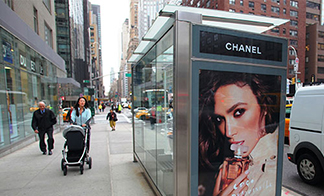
115 119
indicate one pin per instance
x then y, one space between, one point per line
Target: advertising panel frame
230 63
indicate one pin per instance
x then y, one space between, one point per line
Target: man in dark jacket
42 122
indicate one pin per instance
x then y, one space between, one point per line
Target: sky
113 15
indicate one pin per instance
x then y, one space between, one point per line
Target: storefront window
22 85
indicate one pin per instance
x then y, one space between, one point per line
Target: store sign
41 70
22 60
230 45
7 52
33 66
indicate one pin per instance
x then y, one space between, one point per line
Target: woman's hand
83 125
236 188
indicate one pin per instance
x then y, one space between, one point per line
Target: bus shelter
208 100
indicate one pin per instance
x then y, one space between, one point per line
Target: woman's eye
218 119
239 112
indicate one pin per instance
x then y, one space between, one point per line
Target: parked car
306 135
287 120
65 112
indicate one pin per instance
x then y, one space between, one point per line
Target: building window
232 2
294 23
320 58
275 30
48 35
208 3
231 10
291 52
321 34
312 16
293 42
284 31
320 46
320 70
241 2
306 59
264 7
293 13
291 61
35 20
284 11
47 4
251 4
294 3
293 33
275 9
313 5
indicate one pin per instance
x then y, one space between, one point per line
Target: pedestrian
81 115
103 107
42 122
100 107
112 117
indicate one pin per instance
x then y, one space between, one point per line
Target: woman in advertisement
238 133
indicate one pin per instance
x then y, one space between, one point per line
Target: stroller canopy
74 128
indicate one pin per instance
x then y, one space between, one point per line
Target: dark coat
43 122
111 116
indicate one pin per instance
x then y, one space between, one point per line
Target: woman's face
238 115
81 102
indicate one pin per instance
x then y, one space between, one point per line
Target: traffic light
293 80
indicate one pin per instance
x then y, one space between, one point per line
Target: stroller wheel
90 162
64 170
62 164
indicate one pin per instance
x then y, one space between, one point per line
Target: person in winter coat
112 117
42 123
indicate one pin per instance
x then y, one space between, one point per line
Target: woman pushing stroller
81 115
77 145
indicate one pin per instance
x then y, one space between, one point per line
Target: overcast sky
113 15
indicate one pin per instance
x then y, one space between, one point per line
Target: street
291 179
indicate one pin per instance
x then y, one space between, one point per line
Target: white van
307 133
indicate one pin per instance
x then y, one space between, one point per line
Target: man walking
42 122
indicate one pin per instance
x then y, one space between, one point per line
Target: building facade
30 69
295 30
314 70
96 48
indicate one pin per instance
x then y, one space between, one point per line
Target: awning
69 81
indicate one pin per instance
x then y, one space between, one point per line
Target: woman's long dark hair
76 106
212 143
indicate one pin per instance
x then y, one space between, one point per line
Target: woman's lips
238 143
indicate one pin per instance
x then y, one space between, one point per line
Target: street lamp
295 65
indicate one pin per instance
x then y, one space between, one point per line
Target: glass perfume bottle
234 166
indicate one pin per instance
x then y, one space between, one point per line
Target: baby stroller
75 151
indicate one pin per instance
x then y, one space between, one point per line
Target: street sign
128 75
86 81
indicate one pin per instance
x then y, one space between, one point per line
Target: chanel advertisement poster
238 133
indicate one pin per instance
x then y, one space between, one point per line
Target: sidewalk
113 173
